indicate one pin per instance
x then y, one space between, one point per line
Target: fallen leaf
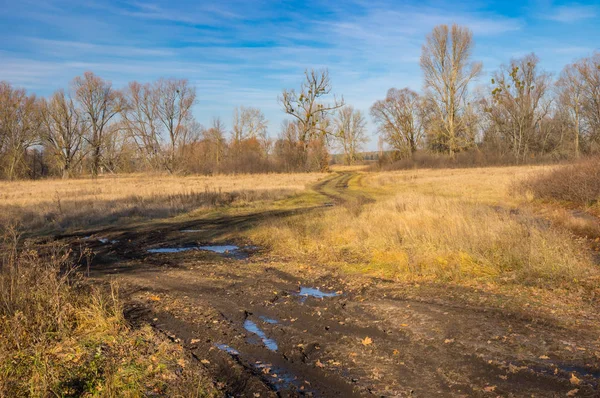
367 340
404 325
181 362
205 361
448 341
544 357
573 392
574 379
194 341
154 298
489 389
319 364
395 352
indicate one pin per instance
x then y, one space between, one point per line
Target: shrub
578 183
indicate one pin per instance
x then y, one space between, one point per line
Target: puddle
314 292
231 251
281 379
222 249
171 249
582 372
190 231
268 320
227 349
252 328
103 240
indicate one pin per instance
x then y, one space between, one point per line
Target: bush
578 183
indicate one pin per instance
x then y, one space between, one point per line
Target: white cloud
571 13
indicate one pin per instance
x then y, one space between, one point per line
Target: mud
334 337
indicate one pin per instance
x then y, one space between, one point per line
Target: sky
246 52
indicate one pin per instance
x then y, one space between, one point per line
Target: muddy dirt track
263 329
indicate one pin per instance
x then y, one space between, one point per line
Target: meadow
504 231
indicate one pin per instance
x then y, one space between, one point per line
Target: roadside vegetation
63 337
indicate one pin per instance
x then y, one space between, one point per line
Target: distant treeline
522 114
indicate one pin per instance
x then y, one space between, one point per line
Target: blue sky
246 52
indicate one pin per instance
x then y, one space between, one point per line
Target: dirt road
264 328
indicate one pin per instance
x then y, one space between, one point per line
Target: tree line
94 128
522 113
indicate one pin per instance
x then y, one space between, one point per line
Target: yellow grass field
73 203
448 225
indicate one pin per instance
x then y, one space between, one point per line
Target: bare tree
215 137
19 123
307 109
63 131
400 120
350 129
98 103
141 120
175 99
445 61
520 104
248 123
589 70
570 88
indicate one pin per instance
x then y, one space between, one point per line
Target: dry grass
60 337
448 225
60 204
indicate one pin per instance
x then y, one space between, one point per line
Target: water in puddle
581 370
252 328
314 292
222 249
591 377
280 379
268 320
227 349
190 231
171 249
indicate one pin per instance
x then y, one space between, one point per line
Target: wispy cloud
571 13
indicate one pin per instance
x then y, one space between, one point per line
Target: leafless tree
350 132
519 105
98 104
248 123
400 120
445 61
19 123
63 131
141 120
570 92
215 137
589 70
307 109
175 99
